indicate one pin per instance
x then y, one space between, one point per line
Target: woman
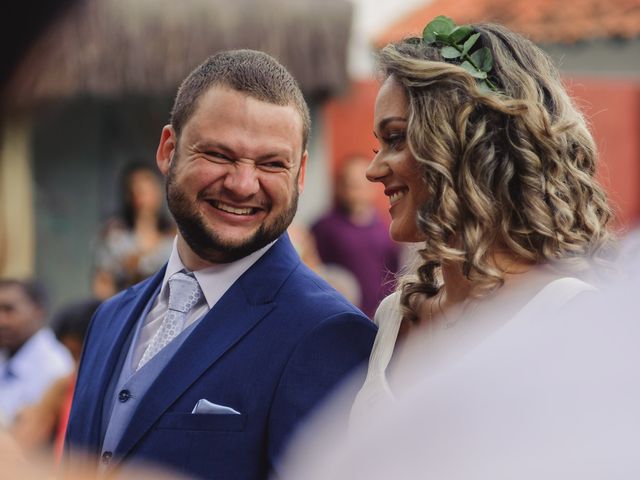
136 243
489 165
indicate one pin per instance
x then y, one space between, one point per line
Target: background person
134 244
31 358
337 276
208 367
354 236
41 427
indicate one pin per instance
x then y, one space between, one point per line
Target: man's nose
242 179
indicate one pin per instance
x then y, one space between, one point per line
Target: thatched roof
116 47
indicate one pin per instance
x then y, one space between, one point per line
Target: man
354 236
208 366
31 358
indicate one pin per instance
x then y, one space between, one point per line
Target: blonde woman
489 165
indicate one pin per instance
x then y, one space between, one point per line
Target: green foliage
457 42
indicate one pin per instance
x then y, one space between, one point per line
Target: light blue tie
184 294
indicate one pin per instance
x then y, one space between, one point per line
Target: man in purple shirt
354 236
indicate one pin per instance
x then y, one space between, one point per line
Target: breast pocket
202 422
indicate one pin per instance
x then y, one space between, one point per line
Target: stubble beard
206 242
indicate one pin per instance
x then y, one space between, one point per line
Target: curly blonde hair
513 169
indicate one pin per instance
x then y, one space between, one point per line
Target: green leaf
470 43
473 70
460 33
444 38
440 26
483 59
450 52
428 37
484 86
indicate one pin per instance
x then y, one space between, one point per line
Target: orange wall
350 121
612 108
349 128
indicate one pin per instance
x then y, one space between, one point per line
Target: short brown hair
249 71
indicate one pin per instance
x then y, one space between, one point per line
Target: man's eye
273 165
219 155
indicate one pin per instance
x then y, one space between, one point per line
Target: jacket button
124 395
106 457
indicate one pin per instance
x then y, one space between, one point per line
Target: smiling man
208 367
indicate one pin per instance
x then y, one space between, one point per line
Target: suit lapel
111 338
241 308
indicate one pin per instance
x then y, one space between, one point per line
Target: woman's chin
403 233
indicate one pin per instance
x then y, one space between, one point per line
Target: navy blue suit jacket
271 348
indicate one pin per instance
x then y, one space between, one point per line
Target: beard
206 242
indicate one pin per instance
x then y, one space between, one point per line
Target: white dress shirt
214 282
25 376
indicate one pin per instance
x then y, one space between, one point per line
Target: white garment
447 344
26 376
214 282
376 389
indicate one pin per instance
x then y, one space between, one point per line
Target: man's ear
303 171
166 149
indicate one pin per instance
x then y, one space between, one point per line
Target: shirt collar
215 280
21 363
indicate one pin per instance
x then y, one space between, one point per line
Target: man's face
234 176
20 318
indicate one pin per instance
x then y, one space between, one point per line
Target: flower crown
456 44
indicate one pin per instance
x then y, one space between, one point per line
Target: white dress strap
376 389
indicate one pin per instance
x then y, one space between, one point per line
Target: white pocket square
206 407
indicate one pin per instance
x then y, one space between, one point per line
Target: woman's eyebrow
385 121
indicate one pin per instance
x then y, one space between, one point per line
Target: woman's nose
377 169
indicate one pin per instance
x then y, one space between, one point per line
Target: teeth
229 209
396 196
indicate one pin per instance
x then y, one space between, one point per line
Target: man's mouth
231 209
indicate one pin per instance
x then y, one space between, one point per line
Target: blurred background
88 85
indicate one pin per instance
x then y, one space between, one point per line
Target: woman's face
145 191
394 166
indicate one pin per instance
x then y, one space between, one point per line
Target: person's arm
34 424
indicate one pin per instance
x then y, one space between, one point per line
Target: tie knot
184 292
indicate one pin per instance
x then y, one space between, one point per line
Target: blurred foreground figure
31 358
207 367
494 370
354 236
15 465
552 394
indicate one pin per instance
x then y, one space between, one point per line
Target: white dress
448 343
